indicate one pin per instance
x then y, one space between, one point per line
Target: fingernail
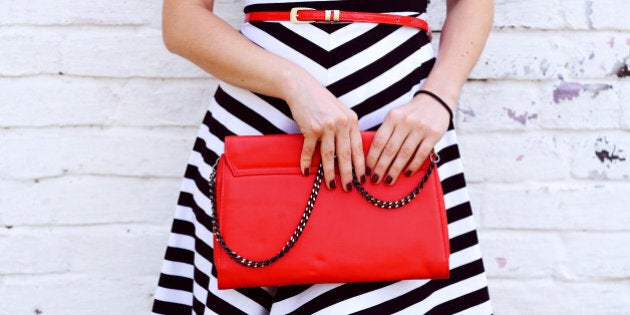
307 171
362 179
368 171
348 186
388 179
374 178
332 184
408 173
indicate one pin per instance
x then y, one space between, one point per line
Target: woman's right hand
191 30
323 119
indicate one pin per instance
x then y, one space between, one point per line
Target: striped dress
371 68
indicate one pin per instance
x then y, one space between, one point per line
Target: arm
410 132
463 37
191 30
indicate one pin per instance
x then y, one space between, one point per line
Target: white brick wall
97 120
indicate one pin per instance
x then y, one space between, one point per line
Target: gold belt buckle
293 15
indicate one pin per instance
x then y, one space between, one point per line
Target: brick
101 52
624 92
96 294
536 14
37 153
88 101
579 105
536 55
608 14
609 259
179 102
540 14
68 12
123 53
29 52
514 157
554 206
548 296
56 201
519 254
59 100
110 251
499 105
600 155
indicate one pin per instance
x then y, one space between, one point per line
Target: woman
328 81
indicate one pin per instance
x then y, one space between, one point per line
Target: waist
377 6
303 15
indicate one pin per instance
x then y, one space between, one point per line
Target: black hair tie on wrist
439 99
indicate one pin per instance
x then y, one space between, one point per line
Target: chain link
310 204
403 201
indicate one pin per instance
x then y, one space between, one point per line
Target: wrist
448 94
290 82
437 99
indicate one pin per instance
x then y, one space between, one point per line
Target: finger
358 156
388 154
327 148
405 154
306 157
376 147
421 155
344 159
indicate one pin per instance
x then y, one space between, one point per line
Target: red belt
308 15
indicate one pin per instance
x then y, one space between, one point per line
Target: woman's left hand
406 138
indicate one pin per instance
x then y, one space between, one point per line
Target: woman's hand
191 30
323 119
409 132
406 138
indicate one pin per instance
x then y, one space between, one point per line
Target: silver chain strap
310 203
403 201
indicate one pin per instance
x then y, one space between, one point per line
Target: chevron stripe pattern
371 68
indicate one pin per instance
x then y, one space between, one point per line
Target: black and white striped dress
371 68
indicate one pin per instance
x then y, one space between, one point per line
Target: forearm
462 39
192 31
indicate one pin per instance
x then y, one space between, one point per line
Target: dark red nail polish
374 178
368 171
388 179
362 179
348 186
332 184
307 171
408 173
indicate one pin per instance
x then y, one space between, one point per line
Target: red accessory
308 15
259 195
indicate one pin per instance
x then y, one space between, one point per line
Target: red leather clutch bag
265 234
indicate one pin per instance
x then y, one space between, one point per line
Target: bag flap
272 154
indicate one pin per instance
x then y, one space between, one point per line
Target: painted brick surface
505 156
43 202
539 55
70 12
501 261
103 101
129 151
551 296
559 206
97 120
624 98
